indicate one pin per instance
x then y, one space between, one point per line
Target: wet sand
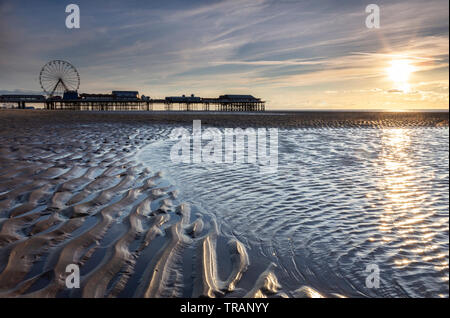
71 192
264 119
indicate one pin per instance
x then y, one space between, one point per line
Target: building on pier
96 96
183 99
239 98
234 103
126 94
70 95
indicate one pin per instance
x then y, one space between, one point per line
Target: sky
302 54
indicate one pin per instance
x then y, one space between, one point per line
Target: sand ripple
342 199
76 195
77 192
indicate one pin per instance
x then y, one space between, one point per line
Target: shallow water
106 197
341 200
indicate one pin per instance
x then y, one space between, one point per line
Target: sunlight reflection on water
341 199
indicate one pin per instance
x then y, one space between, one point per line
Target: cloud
394 90
270 63
264 46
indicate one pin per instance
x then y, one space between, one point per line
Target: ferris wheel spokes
57 77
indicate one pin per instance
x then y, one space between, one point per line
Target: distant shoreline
285 119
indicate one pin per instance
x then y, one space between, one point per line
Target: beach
286 119
97 189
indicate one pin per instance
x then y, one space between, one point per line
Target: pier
124 101
60 80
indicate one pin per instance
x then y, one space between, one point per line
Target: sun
399 72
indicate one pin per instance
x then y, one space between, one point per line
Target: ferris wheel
57 77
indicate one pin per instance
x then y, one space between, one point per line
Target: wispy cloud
286 51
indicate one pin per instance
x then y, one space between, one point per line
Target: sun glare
399 72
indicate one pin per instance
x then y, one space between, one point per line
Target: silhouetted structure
129 100
126 94
70 95
60 78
